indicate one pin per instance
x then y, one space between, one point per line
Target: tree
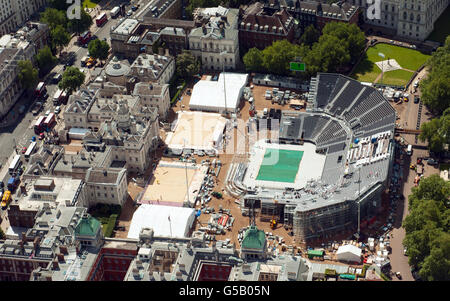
187 65
2 234
53 17
430 188
80 25
427 229
327 55
98 49
436 266
72 79
253 60
277 57
28 75
58 4
435 89
60 37
437 132
349 35
45 59
310 36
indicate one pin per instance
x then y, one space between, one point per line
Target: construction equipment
273 223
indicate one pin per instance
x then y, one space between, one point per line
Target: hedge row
110 226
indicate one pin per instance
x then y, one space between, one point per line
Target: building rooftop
254 239
88 226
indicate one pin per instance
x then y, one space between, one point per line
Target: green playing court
280 165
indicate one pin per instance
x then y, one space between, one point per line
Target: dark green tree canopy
427 229
80 25
45 59
435 89
310 36
72 79
253 60
59 36
28 75
53 17
98 49
187 65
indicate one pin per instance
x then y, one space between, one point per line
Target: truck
12 183
114 12
6 199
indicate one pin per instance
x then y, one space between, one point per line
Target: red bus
38 126
40 90
84 37
102 19
50 121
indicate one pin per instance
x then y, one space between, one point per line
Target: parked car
432 161
134 8
57 109
57 78
416 99
416 84
129 13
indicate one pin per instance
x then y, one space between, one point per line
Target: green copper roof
253 238
88 226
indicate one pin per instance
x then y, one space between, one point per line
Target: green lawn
366 71
411 59
441 27
90 3
396 77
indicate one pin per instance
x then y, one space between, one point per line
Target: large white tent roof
349 253
210 95
166 221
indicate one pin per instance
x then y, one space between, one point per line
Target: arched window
411 17
405 16
418 18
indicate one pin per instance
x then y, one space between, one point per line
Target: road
408 113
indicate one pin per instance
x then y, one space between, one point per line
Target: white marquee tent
166 221
210 95
349 253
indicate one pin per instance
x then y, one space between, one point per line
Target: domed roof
116 68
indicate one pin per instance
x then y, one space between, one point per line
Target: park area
399 64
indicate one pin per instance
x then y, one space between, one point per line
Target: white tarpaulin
166 221
349 253
210 95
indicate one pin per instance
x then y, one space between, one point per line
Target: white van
409 150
